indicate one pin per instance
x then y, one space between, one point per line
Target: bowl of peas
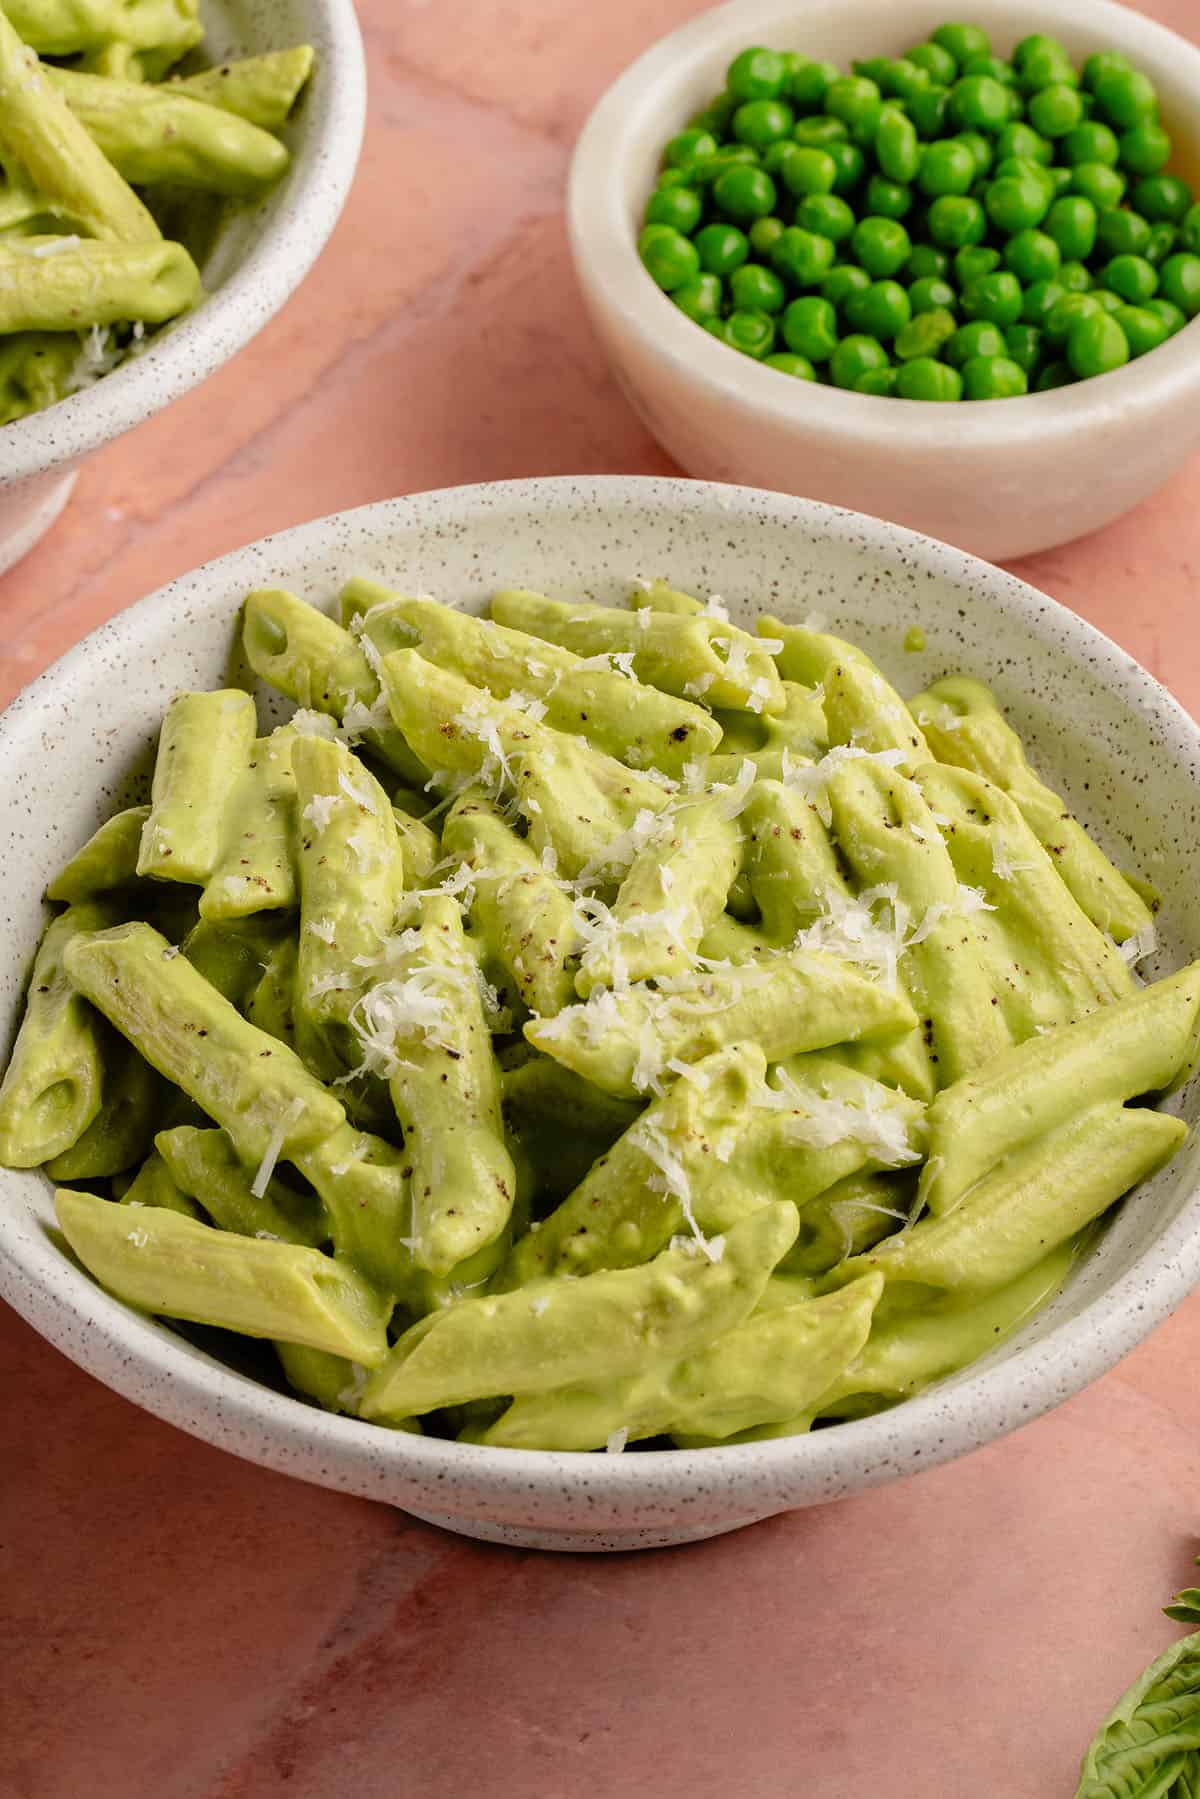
943 271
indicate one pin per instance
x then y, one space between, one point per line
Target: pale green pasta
527 1073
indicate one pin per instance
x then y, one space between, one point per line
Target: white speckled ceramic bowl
998 477
261 254
78 743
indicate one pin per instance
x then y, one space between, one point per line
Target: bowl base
27 513
585 1542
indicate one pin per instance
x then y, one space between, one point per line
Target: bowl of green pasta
168 175
599 1010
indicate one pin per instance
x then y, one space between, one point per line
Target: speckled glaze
79 742
260 256
1001 478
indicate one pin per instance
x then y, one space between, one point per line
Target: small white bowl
1001 478
261 254
1126 755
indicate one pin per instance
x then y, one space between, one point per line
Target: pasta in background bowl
253 247
1096 726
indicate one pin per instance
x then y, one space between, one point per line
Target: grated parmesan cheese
672 1179
275 1142
616 1442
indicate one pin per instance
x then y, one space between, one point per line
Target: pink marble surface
175 1624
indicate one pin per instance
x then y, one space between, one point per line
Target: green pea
1096 345
882 246
802 257
1106 299
974 261
850 163
689 147
938 62
947 167
1040 300
853 357
1189 230
809 326
978 102
809 83
1069 309
721 248
762 122
1032 256
1023 345
1120 232
924 334
670 178
1023 142
926 259
888 199
979 338
700 298
1071 222
1162 197
669 258
753 333
980 148
1090 142
930 294
926 379
962 41
1060 179
798 367
745 193
1161 241
1145 148
1056 109
996 297
993 378
881 311
1172 316
1124 97
1180 278
845 279
757 74
897 150
820 132
1047 67
927 111
859 105
1103 186
764 234
1002 72
1038 43
804 169
679 207
1102 62
876 381
755 288
729 156
955 220
1144 330
1055 374
826 214
1133 278
1076 277
1018 202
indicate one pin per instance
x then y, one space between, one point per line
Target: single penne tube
860 706
154 1185
311 659
261 89
158 134
77 181
626 1042
964 726
175 1267
849 1217
559 1333
65 284
205 1166
696 658
676 887
248 1082
889 837
637 724
204 748
522 914
1060 966
256 867
1147 1044
419 848
66 27
762 1371
53 1086
1041 1195
121 1133
108 859
423 1028
37 368
363 1184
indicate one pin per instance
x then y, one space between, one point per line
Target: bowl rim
604 252
316 188
150 1364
